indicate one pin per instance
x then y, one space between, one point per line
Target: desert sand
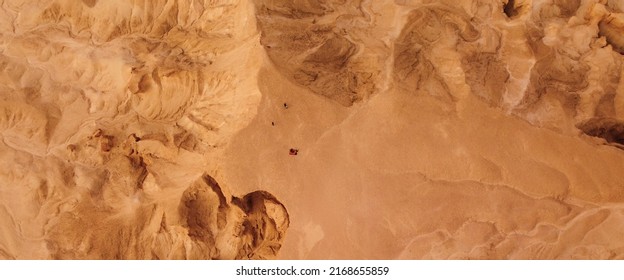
331 129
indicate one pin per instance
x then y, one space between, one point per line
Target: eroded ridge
206 225
555 64
322 45
106 109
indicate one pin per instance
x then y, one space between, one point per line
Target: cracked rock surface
422 129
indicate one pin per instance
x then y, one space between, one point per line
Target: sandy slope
400 178
424 129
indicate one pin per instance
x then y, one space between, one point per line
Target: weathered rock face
325 46
110 110
424 129
209 227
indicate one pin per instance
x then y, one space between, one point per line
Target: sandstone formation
422 129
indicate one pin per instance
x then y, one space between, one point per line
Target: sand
423 129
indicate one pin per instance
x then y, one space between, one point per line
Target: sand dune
479 129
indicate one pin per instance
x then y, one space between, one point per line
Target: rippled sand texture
479 129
